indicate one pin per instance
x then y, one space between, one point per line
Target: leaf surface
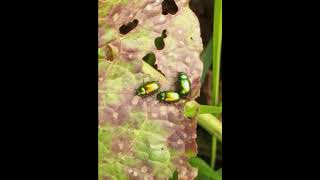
141 138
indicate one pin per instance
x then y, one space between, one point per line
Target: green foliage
192 108
206 120
205 172
216 51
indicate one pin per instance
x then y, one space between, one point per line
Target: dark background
204 11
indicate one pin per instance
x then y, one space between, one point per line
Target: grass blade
216 52
216 49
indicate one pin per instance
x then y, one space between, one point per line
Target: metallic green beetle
183 85
148 88
168 96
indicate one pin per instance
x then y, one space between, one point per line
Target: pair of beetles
170 96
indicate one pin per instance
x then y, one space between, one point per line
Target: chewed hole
164 33
159 42
150 58
169 6
126 28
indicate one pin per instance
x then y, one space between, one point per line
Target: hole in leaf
150 58
169 6
126 28
164 33
159 42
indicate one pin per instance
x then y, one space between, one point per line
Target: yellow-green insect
183 85
148 88
168 96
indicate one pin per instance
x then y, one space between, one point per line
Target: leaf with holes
141 138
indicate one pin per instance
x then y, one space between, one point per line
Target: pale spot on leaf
144 169
135 173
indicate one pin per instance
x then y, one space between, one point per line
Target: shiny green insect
183 85
148 88
168 96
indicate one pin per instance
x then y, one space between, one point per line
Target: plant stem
211 124
217 38
191 108
213 151
216 51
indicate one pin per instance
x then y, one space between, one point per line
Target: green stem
211 124
205 120
213 151
217 38
216 51
191 108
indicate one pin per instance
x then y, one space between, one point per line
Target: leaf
205 172
140 138
219 172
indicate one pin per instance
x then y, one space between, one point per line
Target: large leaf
141 138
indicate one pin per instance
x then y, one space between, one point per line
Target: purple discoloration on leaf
147 139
